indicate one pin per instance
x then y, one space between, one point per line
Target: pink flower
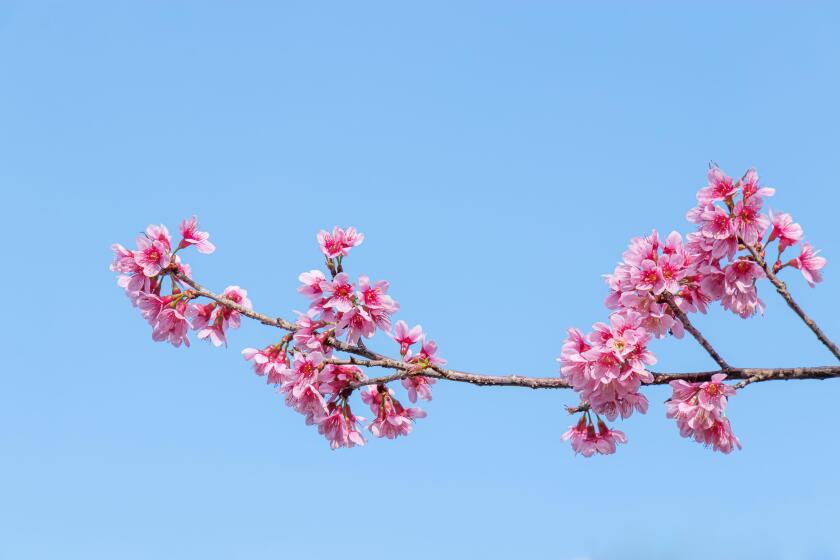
587 442
231 316
335 378
356 323
151 255
716 223
339 242
721 187
406 337
340 427
809 264
608 367
699 409
270 361
191 236
161 234
742 274
427 357
786 230
392 419
311 283
339 293
418 385
749 185
375 296
750 224
172 325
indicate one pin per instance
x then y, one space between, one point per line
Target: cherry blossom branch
404 370
783 291
669 301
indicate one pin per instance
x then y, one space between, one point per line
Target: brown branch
781 287
403 370
669 300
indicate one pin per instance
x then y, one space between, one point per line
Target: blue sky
498 156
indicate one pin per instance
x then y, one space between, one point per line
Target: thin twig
781 287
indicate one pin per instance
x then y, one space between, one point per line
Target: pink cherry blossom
406 337
311 284
355 324
392 419
159 233
339 242
749 186
339 293
191 236
750 224
426 357
418 386
340 427
271 362
151 255
721 187
699 409
785 230
172 326
809 264
587 442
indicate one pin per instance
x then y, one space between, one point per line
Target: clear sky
498 156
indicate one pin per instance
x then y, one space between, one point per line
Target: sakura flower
338 293
406 337
809 264
749 186
191 236
587 442
750 224
271 361
159 233
335 378
151 255
172 325
721 187
418 386
311 284
699 409
356 323
340 427
392 419
427 357
339 242
785 230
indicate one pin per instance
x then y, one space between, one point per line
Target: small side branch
696 334
781 287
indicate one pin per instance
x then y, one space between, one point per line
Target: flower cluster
342 310
586 441
699 409
657 284
607 366
142 273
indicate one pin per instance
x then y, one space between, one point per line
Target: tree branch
781 287
669 300
403 370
